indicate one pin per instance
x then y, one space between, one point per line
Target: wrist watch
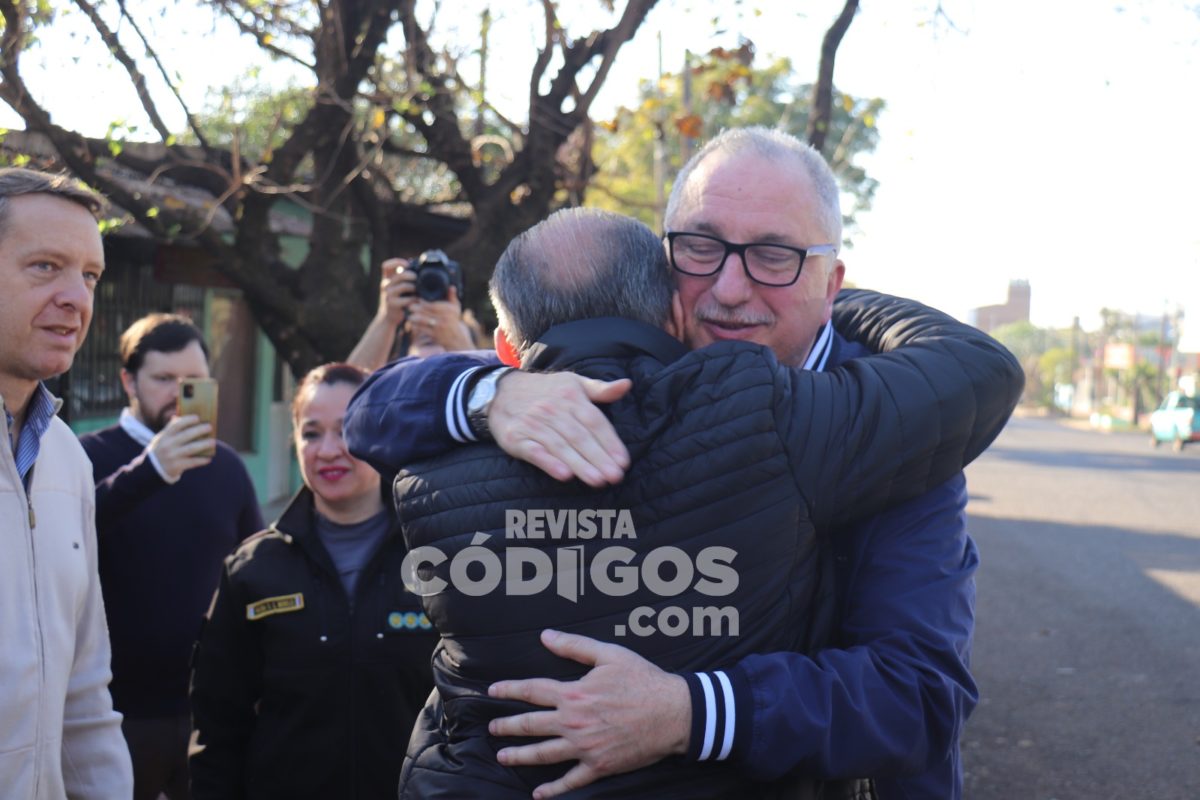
479 401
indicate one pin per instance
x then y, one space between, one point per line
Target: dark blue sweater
161 550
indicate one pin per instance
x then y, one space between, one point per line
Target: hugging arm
399 415
890 697
416 408
890 426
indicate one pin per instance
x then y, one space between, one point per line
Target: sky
1053 141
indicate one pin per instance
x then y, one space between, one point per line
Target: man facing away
886 691
739 466
168 511
59 735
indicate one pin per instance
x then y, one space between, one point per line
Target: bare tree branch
544 55
261 33
443 134
822 114
350 173
122 56
187 113
609 42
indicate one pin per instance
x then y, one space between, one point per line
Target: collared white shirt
141 434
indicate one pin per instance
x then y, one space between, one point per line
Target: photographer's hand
397 293
439 325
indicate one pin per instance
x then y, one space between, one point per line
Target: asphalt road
1087 646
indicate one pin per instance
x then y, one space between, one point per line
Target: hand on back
551 421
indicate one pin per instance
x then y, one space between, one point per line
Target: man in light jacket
59 735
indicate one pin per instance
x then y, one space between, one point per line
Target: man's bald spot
570 250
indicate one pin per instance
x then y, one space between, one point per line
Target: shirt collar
136 429
42 408
818 357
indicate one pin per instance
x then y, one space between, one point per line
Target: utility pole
485 26
1163 347
685 145
1074 362
660 177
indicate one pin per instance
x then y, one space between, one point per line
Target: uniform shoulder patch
268 606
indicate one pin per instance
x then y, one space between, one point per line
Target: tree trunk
822 102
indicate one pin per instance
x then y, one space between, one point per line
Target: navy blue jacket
888 700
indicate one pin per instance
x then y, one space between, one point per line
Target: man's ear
833 285
128 383
504 349
674 324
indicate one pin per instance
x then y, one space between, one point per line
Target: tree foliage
380 146
379 132
727 90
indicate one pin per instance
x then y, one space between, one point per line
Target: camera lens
433 282
189 391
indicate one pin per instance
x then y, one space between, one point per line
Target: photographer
421 298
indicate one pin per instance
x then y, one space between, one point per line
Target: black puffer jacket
309 699
738 464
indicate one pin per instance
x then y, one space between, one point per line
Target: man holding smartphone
171 503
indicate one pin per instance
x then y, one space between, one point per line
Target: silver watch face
484 392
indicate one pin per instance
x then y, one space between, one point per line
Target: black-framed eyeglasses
769 264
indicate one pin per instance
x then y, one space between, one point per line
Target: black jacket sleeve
226 684
889 427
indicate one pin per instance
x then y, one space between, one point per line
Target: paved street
1087 649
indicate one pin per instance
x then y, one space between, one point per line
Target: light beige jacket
59 734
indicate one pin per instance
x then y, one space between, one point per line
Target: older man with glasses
874 705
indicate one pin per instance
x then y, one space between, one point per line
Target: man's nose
732 286
74 292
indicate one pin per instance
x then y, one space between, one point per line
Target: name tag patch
275 605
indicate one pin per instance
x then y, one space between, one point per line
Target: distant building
1015 309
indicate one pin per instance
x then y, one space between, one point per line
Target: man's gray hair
580 263
18 181
770 144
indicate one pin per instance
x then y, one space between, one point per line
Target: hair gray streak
772 145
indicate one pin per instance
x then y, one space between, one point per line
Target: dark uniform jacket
739 466
295 695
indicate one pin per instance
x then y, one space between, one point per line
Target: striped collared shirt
37 420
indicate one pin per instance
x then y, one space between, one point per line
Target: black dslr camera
436 273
